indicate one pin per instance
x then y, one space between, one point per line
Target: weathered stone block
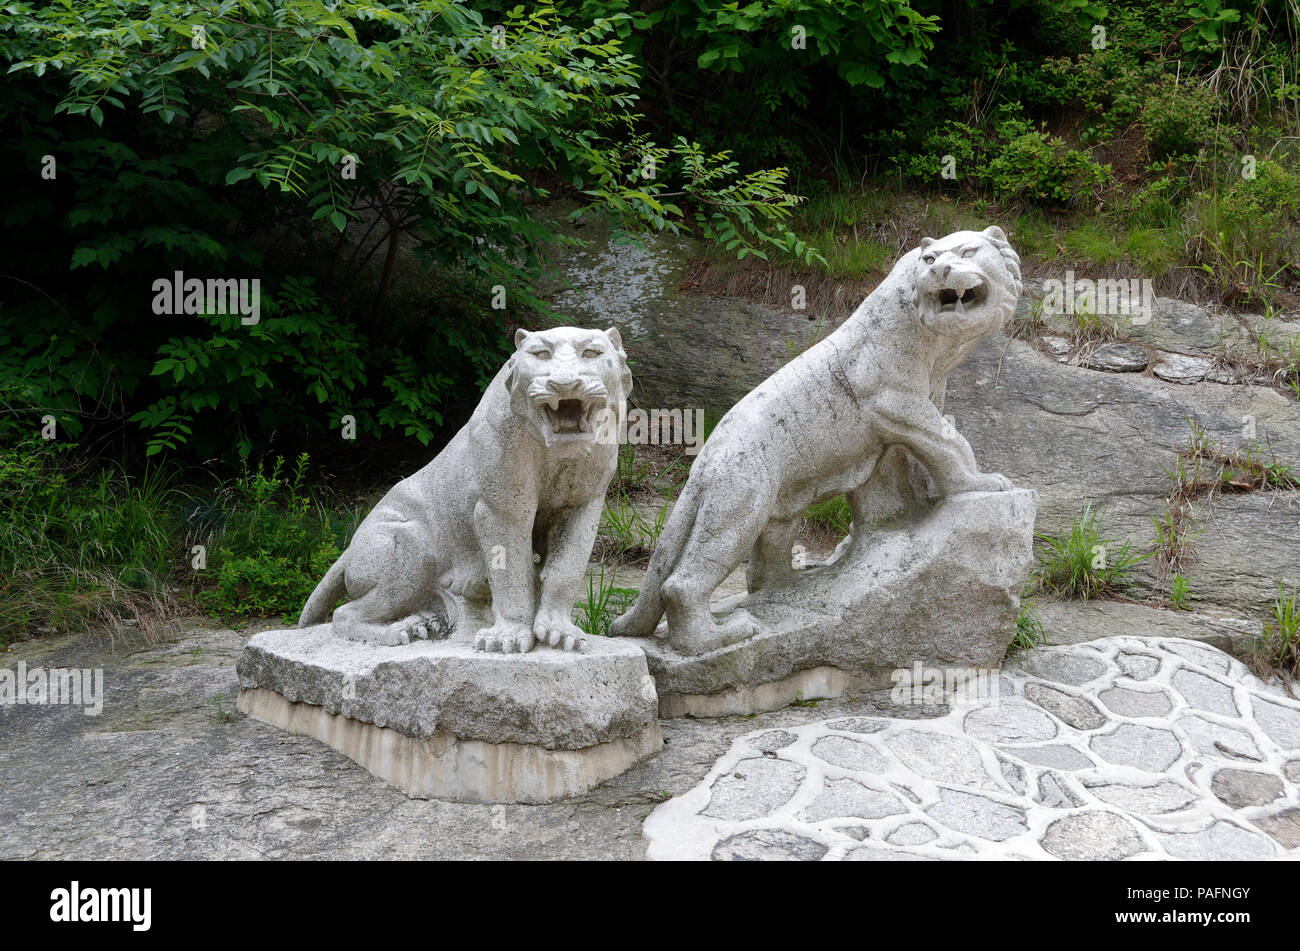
439 719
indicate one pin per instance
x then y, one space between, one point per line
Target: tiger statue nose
564 384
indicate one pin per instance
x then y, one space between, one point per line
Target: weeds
1278 360
603 604
1031 326
1200 472
1173 548
1179 593
1240 280
222 714
1204 470
629 472
1087 326
627 531
1083 564
1277 650
1029 629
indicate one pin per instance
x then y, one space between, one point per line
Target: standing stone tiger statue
491 539
845 417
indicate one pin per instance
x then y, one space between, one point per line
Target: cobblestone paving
1123 748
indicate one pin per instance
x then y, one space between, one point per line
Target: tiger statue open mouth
562 387
575 419
961 289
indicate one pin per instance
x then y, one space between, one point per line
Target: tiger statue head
568 384
966 284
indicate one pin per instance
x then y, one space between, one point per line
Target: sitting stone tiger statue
833 421
452 547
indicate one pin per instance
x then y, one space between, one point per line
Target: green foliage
833 515
1249 231
1083 564
85 546
304 137
82 546
1013 160
264 585
864 41
739 212
603 604
1180 118
276 544
298 369
1210 20
1039 168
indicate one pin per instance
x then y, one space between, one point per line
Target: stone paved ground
170 771
1152 748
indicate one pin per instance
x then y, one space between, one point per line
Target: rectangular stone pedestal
438 719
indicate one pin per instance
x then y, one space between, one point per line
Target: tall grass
84 547
87 546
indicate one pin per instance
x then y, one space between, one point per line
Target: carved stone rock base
942 591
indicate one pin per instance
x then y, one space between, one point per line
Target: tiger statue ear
616 339
521 335
998 238
926 242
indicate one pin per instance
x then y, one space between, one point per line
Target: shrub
264 585
1181 118
1031 165
276 544
1013 160
265 139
